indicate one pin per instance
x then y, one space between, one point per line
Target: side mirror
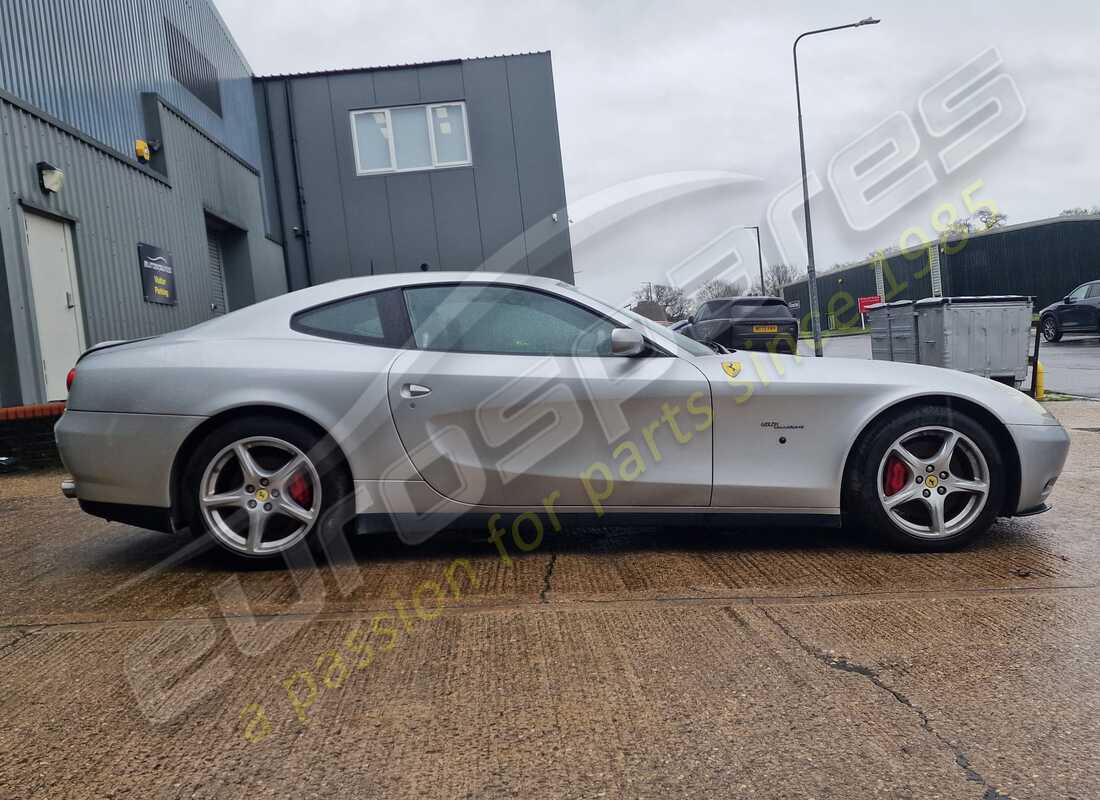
1067 299
626 342
691 320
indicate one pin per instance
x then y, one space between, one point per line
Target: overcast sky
650 88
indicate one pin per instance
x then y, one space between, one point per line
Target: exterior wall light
50 178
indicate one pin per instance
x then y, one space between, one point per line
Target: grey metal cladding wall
905 276
538 161
493 151
1045 261
117 205
210 180
495 214
87 62
279 173
319 170
366 204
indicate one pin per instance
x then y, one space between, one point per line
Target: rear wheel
1049 327
929 478
259 487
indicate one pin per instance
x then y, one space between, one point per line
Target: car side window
1094 290
374 318
709 310
472 318
1079 292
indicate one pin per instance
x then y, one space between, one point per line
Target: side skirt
387 523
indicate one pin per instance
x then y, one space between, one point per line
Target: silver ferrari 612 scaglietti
424 399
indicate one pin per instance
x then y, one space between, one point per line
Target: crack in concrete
540 604
547 577
22 633
844 665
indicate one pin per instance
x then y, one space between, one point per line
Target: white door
56 300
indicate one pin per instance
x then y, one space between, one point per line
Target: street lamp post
811 272
759 256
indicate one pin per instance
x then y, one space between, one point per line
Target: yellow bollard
1040 389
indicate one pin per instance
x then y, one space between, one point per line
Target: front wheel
258 487
930 478
1049 327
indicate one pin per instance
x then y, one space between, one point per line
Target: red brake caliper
300 490
895 477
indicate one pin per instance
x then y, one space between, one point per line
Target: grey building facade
447 165
80 83
149 181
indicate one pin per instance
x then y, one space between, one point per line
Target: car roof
272 317
752 298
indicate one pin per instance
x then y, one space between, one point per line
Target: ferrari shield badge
732 368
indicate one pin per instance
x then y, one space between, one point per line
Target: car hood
891 381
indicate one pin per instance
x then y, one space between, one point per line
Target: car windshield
678 339
651 327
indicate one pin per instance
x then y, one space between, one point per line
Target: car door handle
410 390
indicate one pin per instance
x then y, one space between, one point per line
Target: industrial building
148 180
452 165
1044 260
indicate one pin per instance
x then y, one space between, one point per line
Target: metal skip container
893 337
987 336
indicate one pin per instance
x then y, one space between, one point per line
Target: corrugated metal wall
115 205
495 214
1044 260
87 62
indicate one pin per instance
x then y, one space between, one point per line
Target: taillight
70 378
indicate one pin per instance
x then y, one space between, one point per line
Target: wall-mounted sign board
158 280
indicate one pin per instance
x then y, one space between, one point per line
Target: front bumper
1042 450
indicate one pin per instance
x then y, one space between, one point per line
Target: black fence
1044 260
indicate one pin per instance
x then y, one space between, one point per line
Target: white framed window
407 138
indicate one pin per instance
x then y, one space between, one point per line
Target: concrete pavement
606 663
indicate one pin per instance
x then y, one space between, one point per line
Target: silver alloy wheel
927 487
264 495
1050 329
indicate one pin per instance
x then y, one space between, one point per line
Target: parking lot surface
638 662
1071 366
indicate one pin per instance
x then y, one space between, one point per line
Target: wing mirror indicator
626 342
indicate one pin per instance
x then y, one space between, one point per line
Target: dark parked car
1077 312
745 323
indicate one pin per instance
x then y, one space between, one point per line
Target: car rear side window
1094 291
476 318
374 318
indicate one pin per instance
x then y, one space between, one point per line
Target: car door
512 397
1074 314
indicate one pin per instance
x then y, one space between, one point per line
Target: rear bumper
123 459
764 342
1043 450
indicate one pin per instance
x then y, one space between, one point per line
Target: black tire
1049 326
863 506
323 454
